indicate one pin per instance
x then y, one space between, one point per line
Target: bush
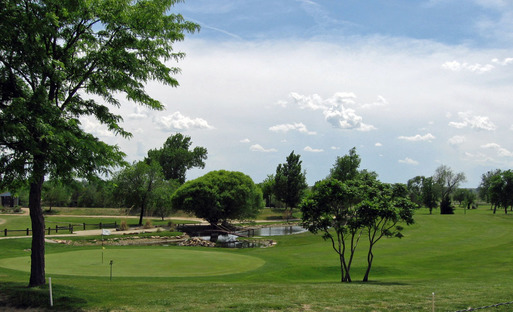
172 226
148 224
123 226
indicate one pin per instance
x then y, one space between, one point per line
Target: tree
381 213
176 158
219 196
290 181
160 202
267 187
54 193
415 189
331 210
346 167
53 55
135 185
459 195
430 194
484 187
447 181
500 190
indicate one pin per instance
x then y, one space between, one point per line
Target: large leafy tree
290 181
53 55
219 196
136 184
176 158
447 182
346 167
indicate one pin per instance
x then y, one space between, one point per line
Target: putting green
141 262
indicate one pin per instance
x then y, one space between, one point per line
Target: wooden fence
70 228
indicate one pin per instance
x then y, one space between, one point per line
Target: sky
412 84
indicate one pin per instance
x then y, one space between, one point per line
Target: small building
8 200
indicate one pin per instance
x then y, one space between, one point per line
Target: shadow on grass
18 295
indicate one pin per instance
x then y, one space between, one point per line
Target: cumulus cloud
504 62
260 148
501 151
95 128
456 140
408 161
473 121
335 109
475 68
246 140
313 150
299 126
139 113
378 144
427 137
177 121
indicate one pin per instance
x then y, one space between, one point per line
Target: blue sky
411 84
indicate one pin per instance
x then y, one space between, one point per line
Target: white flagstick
50 286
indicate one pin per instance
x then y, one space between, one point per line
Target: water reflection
280 230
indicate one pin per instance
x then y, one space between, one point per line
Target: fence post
28 231
49 230
5 232
101 227
56 229
84 226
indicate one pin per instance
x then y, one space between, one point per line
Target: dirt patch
2 221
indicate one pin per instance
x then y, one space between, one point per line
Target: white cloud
456 140
408 161
504 62
140 112
378 144
501 151
427 137
95 128
476 68
246 140
473 121
287 127
177 121
259 148
335 109
313 150
335 148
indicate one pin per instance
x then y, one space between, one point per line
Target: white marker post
433 302
50 287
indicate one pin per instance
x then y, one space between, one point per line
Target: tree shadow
18 295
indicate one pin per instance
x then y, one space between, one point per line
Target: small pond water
231 241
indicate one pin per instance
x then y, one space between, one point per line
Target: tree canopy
175 158
447 182
290 181
219 196
53 56
343 211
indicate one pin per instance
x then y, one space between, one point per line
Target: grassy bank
465 259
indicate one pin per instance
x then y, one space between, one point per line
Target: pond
231 241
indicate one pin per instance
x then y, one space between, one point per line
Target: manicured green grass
133 262
465 259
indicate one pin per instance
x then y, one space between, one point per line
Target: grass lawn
465 259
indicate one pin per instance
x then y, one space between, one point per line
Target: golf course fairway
141 262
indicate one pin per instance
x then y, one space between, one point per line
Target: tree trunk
370 257
37 263
141 216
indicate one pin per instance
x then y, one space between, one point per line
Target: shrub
148 224
123 226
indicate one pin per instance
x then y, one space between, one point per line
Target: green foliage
220 196
290 181
500 190
346 167
345 210
136 184
53 55
175 158
447 182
